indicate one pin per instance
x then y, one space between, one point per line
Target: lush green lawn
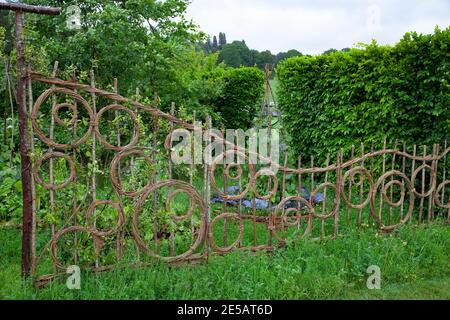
414 265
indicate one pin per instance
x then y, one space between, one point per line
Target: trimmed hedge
241 97
333 101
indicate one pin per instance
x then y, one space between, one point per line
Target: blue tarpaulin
264 204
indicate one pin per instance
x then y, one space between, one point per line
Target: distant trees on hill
237 53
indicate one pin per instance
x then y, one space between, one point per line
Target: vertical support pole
169 164
423 186
350 188
299 191
338 183
19 9
403 182
94 160
207 174
380 213
119 240
311 188
433 177
413 165
283 186
74 196
155 128
225 187
191 173
52 135
283 193
24 147
372 208
392 179
324 204
444 177
33 187
361 186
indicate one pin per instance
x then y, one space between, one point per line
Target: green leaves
343 98
241 96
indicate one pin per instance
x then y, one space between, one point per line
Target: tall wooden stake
20 8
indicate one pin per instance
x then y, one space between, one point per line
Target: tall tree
137 41
286 55
222 39
236 54
263 58
215 45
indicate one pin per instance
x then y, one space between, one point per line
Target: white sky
313 26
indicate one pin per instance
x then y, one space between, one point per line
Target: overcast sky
313 26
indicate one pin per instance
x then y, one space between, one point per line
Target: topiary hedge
333 101
241 96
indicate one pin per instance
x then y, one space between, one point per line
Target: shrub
336 100
241 96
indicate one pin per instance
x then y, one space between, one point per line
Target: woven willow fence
132 205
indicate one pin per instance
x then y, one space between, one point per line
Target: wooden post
350 189
33 187
20 8
361 186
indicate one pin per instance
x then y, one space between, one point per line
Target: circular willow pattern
136 133
196 198
213 179
351 175
284 221
432 182
52 186
114 173
270 173
69 106
169 199
335 209
384 191
389 185
34 116
438 195
57 237
102 233
224 216
238 174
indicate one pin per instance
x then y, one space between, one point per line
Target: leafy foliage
242 92
335 100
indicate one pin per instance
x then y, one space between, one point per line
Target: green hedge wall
241 97
402 93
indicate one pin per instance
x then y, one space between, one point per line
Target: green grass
414 265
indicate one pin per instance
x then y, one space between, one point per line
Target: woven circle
136 134
438 195
196 198
115 174
390 201
379 183
34 116
335 209
287 216
235 243
217 160
169 199
284 214
69 106
58 236
351 175
238 174
433 181
270 173
52 186
102 233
